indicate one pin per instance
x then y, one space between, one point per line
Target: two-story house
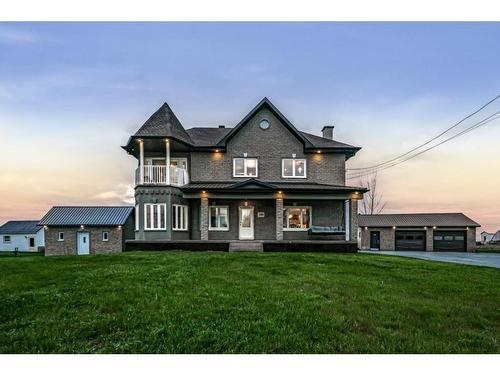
262 181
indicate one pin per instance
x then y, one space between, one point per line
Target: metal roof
417 220
256 184
86 215
20 227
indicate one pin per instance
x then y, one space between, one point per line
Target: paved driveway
474 259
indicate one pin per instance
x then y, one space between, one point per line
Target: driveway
473 259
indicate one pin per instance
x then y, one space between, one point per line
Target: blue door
82 243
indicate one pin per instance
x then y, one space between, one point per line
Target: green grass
182 302
488 249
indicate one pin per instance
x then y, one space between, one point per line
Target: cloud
123 193
12 35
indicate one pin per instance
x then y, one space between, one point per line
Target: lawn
182 302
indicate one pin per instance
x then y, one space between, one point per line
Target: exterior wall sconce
119 227
319 151
245 154
425 227
366 228
434 227
246 203
393 227
82 227
217 150
45 227
294 156
466 228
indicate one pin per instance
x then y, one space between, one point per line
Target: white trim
347 217
158 223
59 237
285 215
293 168
137 217
245 168
180 211
210 228
107 236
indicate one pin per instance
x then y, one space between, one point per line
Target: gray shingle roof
207 136
164 123
417 220
86 215
20 227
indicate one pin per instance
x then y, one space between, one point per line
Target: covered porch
259 211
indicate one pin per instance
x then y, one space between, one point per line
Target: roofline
262 103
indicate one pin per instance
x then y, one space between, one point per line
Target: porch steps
239 246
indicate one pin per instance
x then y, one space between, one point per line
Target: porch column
167 161
347 219
279 219
204 218
354 220
141 161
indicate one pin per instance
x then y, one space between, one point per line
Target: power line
483 122
429 141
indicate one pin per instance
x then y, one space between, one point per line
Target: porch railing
157 175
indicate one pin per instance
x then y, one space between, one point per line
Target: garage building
418 232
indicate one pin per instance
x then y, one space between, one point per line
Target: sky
72 93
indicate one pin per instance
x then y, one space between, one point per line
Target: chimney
222 126
328 131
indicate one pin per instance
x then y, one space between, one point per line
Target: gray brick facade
270 147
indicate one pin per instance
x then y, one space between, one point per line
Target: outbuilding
418 232
83 230
21 235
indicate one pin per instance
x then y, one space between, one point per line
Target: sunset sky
72 93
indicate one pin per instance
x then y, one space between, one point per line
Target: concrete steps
235 246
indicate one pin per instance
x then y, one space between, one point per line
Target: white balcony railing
157 175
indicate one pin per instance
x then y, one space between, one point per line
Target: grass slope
181 302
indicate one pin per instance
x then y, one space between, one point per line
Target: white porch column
204 218
141 161
347 219
167 159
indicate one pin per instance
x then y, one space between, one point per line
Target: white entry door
246 223
82 243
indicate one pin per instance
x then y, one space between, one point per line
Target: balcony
159 175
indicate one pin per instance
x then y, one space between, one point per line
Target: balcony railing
157 175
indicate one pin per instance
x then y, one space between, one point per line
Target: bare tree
372 202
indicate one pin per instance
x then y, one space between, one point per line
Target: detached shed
418 232
21 235
82 230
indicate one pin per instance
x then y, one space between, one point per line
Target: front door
82 243
246 223
375 240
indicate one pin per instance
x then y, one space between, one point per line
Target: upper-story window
294 168
245 167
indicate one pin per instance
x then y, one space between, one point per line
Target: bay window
155 216
245 167
219 218
293 168
179 217
296 218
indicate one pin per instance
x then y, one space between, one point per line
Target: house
258 185
495 239
23 235
418 232
82 230
486 237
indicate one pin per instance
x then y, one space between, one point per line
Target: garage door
407 240
449 240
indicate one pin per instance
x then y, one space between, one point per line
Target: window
105 236
438 238
155 216
459 238
264 125
179 217
245 167
60 236
32 242
219 218
294 168
137 217
6 239
296 218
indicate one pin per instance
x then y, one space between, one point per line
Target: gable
265 107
